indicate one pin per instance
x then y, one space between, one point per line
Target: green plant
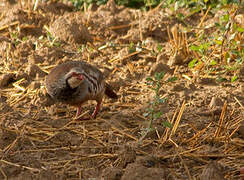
51 39
174 5
154 113
222 52
79 3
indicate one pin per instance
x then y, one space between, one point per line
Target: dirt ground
43 141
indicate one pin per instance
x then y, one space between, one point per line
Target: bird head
74 78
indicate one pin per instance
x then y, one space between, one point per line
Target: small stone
241 130
127 155
241 88
35 85
34 70
241 71
112 173
150 59
70 29
162 58
160 67
242 172
93 7
47 174
178 87
207 81
192 87
6 79
112 6
215 101
34 59
177 59
213 170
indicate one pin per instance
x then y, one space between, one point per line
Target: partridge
75 82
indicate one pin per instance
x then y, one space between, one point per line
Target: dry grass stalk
9 25
221 121
176 123
203 18
126 134
120 26
20 166
196 137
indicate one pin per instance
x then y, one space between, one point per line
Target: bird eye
74 74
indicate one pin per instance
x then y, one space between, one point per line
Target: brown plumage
75 82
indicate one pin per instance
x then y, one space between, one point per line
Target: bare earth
41 140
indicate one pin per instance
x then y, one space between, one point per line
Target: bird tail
109 92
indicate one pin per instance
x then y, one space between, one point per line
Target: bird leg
78 112
94 114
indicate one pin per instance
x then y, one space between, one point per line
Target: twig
221 120
176 124
7 26
204 17
128 135
239 102
20 166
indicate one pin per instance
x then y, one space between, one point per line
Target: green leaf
172 79
159 76
157 115
217 24
159 47
240 29
25 38
132 48
213 62
149 110
167 124
226 17
234 78
204 46
192 63
149 79
219 42
220 79
194 48
180 16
